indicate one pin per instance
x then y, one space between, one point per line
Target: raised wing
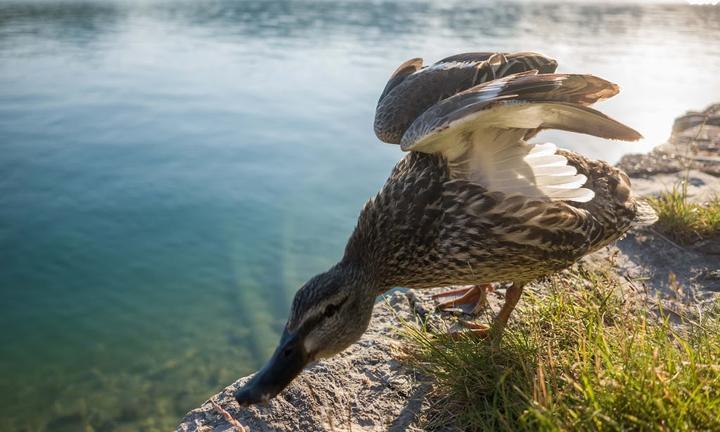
411 89
481 131
403 71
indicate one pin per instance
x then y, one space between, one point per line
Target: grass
584 356
683 221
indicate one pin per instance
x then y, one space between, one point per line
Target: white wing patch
481 132
554 177
535 171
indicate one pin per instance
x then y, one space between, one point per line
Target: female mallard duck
472 203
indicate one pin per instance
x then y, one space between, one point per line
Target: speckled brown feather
424 229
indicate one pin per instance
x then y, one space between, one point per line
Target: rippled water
171 172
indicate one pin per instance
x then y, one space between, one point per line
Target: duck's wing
413 89
511 63
481 131
403 71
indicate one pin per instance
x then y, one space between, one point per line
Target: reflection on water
171 172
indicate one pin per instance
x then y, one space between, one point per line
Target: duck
472 203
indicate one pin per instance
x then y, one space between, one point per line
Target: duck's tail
645 215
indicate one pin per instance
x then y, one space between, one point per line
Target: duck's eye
330 310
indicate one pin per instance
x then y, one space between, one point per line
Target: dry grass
584 356
236 426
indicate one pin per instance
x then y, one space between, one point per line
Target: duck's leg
476 296
512 296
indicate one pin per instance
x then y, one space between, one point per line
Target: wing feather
413 89
403 71
480 132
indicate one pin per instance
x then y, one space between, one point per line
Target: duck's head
329 313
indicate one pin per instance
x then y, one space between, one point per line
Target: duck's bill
286 363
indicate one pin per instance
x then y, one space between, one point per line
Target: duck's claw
476 330
472 330
474 296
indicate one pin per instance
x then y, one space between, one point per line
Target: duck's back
425 229
474 202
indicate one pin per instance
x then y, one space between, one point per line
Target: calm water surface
171 172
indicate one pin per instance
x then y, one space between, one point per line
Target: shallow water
171 172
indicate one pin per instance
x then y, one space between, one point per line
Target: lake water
171 172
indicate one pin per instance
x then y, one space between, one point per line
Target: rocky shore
694 144
368 388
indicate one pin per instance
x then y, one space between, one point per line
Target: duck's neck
355 274
396 230
372 248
